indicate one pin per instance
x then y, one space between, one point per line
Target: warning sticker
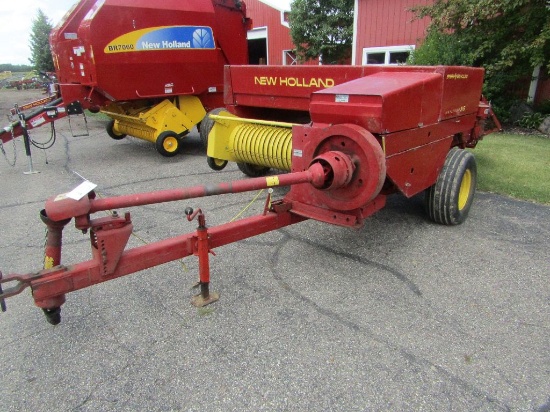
341 98
272 181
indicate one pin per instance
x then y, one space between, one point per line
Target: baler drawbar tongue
109 235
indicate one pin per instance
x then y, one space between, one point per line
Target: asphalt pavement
401 315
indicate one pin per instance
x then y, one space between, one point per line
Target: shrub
531 120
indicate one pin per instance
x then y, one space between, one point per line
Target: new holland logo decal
163 38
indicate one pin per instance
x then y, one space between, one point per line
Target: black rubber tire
111 131
449 200
253 170
53 315
216 164
168 144
207 124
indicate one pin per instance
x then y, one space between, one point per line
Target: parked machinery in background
153 66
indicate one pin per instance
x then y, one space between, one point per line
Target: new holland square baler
153 66
370 132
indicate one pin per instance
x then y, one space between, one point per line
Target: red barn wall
278 36
383 23
387 23
542 95
379 23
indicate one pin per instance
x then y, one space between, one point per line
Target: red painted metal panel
383 102
416 169
461 90
415 157
290 88
285 87
399 142
122 66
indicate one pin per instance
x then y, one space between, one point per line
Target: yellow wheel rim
115 129
170 144
219 162
464 192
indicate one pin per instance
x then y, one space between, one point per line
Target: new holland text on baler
388 129
153 66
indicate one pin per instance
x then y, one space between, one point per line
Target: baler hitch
109 235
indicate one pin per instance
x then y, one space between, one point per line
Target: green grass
515 165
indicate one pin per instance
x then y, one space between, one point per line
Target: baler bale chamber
153 66
404 127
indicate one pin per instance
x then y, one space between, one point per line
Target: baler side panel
283 87
150 68
269 83
461 91
415 157
151 49
417 169
382 103
233 44
64 42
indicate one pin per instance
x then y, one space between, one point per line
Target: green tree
322 28
509 38
15 67
41 54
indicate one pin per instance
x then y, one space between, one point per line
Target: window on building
387 55
289 58
285 18
375 58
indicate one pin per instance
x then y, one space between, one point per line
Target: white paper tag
81 190
341 98
37 122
